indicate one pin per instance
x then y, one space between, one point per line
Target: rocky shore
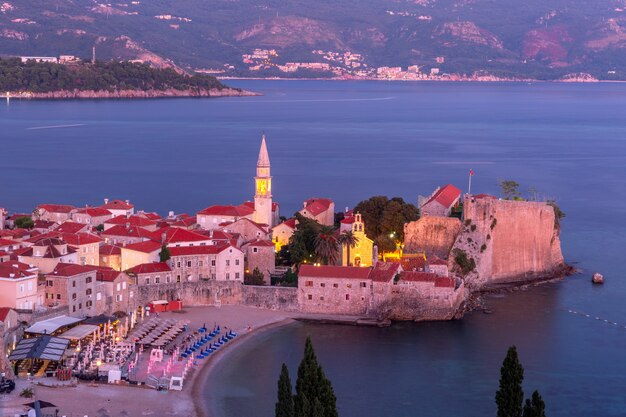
132 94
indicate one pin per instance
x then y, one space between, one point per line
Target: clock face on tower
261 187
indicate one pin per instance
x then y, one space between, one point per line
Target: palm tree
326 246
349 240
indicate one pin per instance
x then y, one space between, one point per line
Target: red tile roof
149 268
446 196
185 222
78 239
260 243
107 250
71 227
444 282
56 208
117 205
18 269
69 270
250 204
177 235
317 206
43 224
120 230
146 247
435 260
487 196
232 211
348 220
107 275
328 271
50 250
94 211
150 216
199 250
385 271
414 276
291 223
4 312
134 220
417 263
7 242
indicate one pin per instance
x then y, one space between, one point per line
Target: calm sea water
348 141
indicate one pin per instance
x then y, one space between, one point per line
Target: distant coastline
130 94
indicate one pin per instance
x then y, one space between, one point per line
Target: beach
101 400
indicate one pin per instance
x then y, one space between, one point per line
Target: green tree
510 396
534 407
255 278
24 222
312 385
349 240
509 189
385 219
285 405
165 254
301 245
100 228
326 245
558 214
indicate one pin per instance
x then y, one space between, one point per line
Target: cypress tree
510 396
534 407
285 405
312 385
318 409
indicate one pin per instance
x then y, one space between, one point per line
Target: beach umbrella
42 404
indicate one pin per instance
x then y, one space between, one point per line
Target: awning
79 332
43 347
101 319
52 325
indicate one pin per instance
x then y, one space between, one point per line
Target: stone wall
509 241
271 298
200 293
432 235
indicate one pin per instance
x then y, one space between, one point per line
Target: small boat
597 278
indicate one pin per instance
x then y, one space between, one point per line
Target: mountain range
529 39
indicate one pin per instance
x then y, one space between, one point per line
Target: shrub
27 393
468 222
466 264
483 247
493 223
473 228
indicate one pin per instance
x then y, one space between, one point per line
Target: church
265 210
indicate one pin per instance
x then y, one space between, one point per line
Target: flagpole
469 188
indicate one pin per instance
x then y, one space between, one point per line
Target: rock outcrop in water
90 94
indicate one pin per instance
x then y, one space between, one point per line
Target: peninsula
70 78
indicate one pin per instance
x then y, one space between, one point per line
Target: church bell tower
263 187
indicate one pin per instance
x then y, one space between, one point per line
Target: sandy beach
103 400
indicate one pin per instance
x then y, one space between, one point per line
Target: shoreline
529 81
129 94
198 394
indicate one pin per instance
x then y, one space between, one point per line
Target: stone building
247 229
283 232
260 254
3 216
57 213
131 221
140 253
334 289
122 235
18 286
119 207
110 256
441 202
320 209
437 266
47 253
362 254
213 262
87 247
73 227
93 216
114 292
151 274
10 332
73 286
211 217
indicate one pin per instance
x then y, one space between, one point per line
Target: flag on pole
471 172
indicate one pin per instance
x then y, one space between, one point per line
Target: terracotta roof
417 263
317 206
134 220
107 275
177 235
151 216
69 270
94 211
7 242
487 196
260 226
4 312
199 250
232 211
250 204
18 269
435 260
120 230
56 208
150 268
385 271
444 282
413 276
50 250
146 247
290 223
261 243
185 222
108 250
16 233
71 227
348 220
446 196
217 234
328 271
77 239
43 224
117 205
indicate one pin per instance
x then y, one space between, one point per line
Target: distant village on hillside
73 275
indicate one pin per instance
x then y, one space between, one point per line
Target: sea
350 140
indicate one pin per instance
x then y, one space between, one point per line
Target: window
148 281
58 296
88 280
335 285
227 262
49 283
236 275
98 296
74 296
348 285
310 296
178 264
363 284
88 304
30 285
118 297
188 264
322 284
308 284
167 279
89 291
347 297
322 298
119 286
177 278
21 288
236 261
73 283
80 305
124 285
199 263
130 294
212 262
227 275
73 309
